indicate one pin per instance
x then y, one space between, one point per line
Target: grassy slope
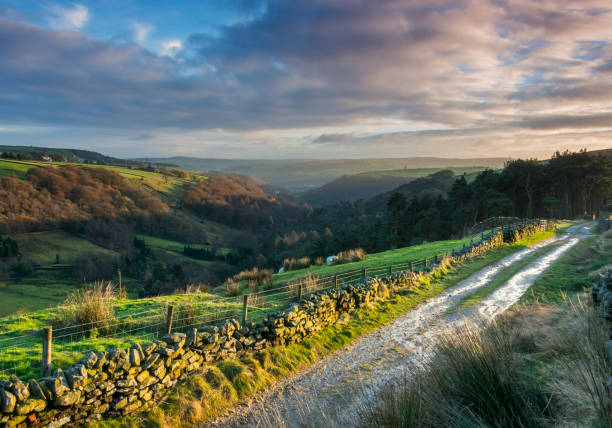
44 289
42 247
229 382
168 186
385 258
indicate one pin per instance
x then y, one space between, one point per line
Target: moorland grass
541 366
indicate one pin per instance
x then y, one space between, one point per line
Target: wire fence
21 354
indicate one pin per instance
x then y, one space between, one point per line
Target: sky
307 78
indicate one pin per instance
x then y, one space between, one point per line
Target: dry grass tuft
90 307
354 255
539 366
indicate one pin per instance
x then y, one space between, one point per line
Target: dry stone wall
119 382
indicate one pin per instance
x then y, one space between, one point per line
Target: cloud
141 31
171 47
331 67
68 18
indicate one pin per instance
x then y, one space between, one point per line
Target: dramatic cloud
337 69
68 18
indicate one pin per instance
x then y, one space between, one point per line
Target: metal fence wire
20 354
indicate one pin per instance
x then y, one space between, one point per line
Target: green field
383 259
43 248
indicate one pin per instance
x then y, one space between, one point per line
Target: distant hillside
434 185
369 184
298 176
64 155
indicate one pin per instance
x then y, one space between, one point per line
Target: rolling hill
301 175
370 184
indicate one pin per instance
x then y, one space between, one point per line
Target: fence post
46 351
411 266
436 259
169 317
245 308
335 280
363 273
426 262
300 292
390 270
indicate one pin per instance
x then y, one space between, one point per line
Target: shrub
348 256
90 307
293 264
23 269
254 277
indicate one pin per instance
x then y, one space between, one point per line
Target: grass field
43 247
385 258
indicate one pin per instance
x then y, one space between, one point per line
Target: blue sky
307 78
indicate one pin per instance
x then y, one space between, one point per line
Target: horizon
279 79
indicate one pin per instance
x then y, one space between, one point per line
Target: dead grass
91 306
354 255
538 366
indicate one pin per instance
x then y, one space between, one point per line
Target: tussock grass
349 256
92 305
539 366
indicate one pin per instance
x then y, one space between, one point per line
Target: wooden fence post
245 308
436 259
363 273
390 270
335 280
169 317
411 266
300 290
426 262
46 351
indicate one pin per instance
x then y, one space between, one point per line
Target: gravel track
332 391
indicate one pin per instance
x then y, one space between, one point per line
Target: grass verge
573 272
501 279
225 383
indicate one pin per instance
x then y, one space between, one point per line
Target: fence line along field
121 322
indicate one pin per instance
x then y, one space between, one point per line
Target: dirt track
331 391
